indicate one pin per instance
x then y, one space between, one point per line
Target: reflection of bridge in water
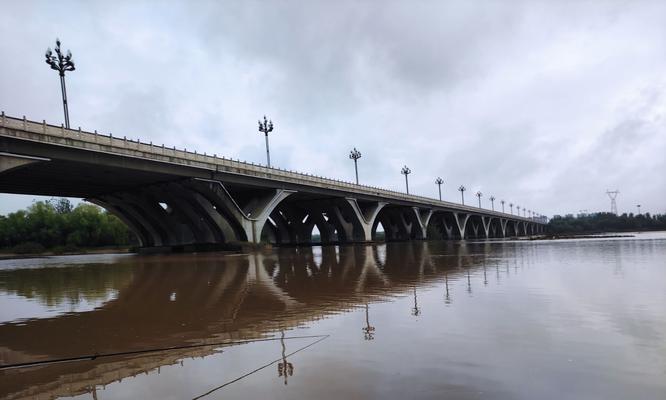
188 299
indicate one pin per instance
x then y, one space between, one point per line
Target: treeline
606 222
57 226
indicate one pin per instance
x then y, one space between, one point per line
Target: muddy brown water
573 319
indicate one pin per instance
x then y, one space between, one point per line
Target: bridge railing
77 138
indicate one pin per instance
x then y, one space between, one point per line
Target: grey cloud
542 104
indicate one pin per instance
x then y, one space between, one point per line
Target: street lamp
511 205
61 63
479 194
462 189
439 182
518 208
502 206
266 128
355 155
639 208
492 202
406 171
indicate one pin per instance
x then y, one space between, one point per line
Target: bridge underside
168 210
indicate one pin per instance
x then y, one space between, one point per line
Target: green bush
606 222
55 223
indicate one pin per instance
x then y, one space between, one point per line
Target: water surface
574 319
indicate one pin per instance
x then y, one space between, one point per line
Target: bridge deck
43 133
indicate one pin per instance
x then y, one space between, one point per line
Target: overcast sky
543 104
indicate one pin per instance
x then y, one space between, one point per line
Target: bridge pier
461 222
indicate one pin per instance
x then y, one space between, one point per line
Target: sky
542 104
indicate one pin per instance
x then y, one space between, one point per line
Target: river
566 319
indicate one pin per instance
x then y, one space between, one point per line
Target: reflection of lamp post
447 298
406 171
61 63
416 311
492 202
502 206
369 331
479 194
285 368
266 128
355 155
462 189
469 282
439 182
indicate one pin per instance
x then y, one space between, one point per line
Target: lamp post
639 208
502 201
61 63
479 194
355 155
518 208
439 182
406 171
511 205
462 189
266 127
492 202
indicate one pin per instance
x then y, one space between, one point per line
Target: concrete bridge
178 199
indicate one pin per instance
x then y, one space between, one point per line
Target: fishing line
322 337
91 357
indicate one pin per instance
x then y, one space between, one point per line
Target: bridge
175 199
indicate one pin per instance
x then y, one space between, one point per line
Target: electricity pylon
612 194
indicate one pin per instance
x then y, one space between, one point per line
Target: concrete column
179 200
448 229
286 233
172 231
422 218
461 221
486 225
222 224
503 224
475 228
253 218
365 218
153 234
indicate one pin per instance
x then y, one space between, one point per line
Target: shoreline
94 250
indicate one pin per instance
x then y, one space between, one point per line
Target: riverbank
7 254
579 236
